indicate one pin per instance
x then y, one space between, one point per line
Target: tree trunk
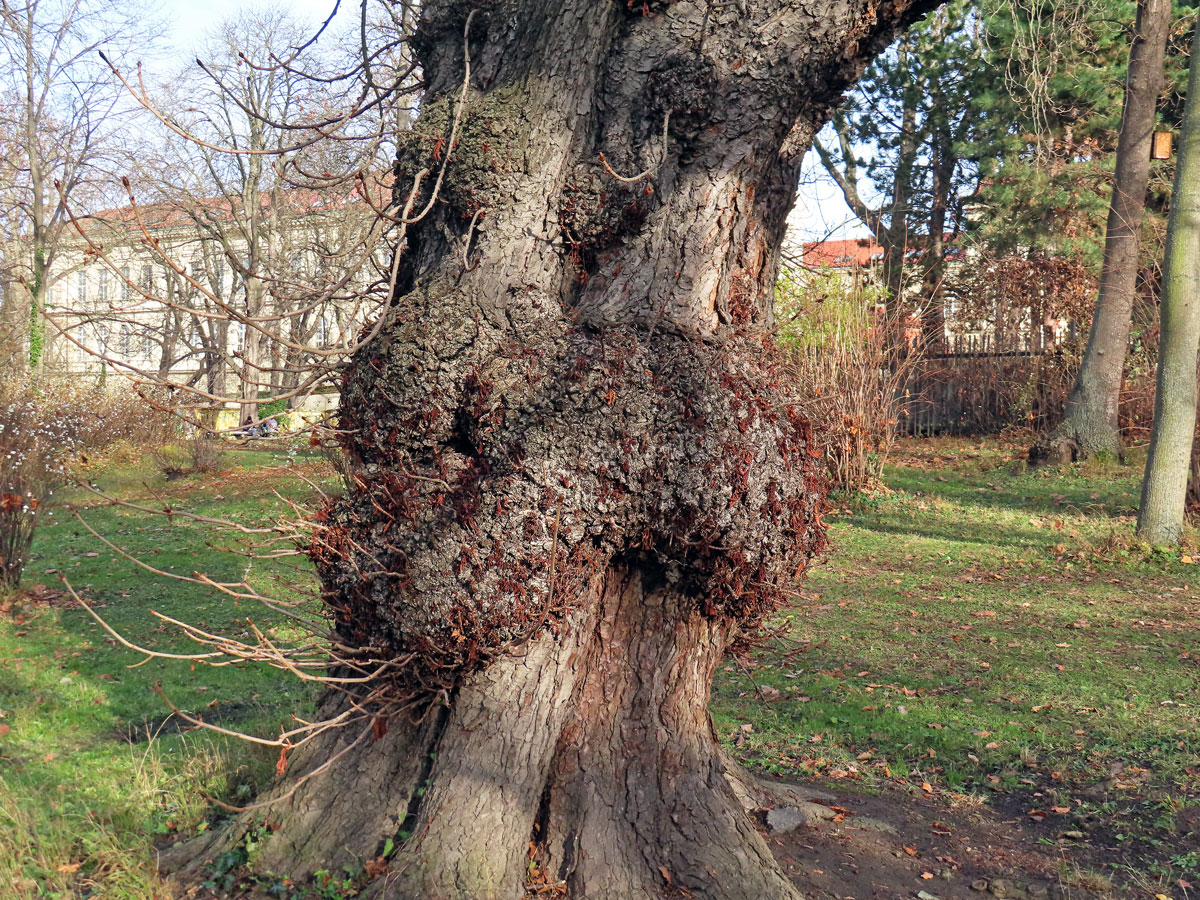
580 472
941 170
1090 425
1164 488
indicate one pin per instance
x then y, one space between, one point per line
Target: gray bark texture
579 473
1090 424
1164 487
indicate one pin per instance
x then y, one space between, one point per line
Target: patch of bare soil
854 846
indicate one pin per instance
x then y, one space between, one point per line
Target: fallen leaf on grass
911 851
927 875
68 868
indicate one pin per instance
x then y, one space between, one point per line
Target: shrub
198 454
1007 361
850 379
46 426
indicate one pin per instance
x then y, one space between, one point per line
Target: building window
124 344
102 287
125 284
82 289
147 279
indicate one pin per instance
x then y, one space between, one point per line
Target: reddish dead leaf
281 763
4 729
374 868
926 875
662 870
911 851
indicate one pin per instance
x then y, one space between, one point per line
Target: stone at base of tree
783 819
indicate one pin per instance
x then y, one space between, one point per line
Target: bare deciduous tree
60 125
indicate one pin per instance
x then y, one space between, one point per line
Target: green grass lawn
92 770
993 632
981 632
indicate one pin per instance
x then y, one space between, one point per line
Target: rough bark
1089 426
580 473
1164 487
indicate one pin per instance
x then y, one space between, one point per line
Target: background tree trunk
1089 425
580 472
1164 488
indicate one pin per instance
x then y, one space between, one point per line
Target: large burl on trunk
580 476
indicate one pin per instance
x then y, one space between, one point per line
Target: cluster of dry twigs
849 370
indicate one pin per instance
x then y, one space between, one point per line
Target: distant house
210 297
962 323
860 253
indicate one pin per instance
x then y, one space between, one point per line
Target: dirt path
898 844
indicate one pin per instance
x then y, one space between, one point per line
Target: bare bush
46 426
849 375
199 454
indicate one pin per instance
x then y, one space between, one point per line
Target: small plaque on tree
1161 148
